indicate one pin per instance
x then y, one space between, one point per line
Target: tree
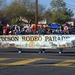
59 12
15 10
29 4
30 14
21 8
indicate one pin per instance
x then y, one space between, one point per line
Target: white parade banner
37 41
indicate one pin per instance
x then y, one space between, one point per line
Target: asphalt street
30 62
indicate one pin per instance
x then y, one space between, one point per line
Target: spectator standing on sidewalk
1 29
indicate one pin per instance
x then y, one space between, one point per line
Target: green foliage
15 10
14 21
59 12
20 8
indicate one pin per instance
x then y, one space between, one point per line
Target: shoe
19 52
59 52
39 52
43 52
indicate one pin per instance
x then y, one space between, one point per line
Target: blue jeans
61 50
19 49
41 50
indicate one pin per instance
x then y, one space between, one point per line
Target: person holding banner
61 32
19 32
41 31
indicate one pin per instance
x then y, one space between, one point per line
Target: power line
70 4
71 7
69 1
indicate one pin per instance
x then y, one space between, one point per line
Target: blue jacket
60 32
40 31
19 33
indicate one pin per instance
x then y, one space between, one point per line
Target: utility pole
36 13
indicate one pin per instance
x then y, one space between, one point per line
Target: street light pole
36 13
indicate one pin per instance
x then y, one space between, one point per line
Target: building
72 22
42 22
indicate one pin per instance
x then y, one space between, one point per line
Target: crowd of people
14 30
29 30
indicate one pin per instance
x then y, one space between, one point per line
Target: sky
70 4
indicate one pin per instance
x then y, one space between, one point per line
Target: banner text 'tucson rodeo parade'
33 38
